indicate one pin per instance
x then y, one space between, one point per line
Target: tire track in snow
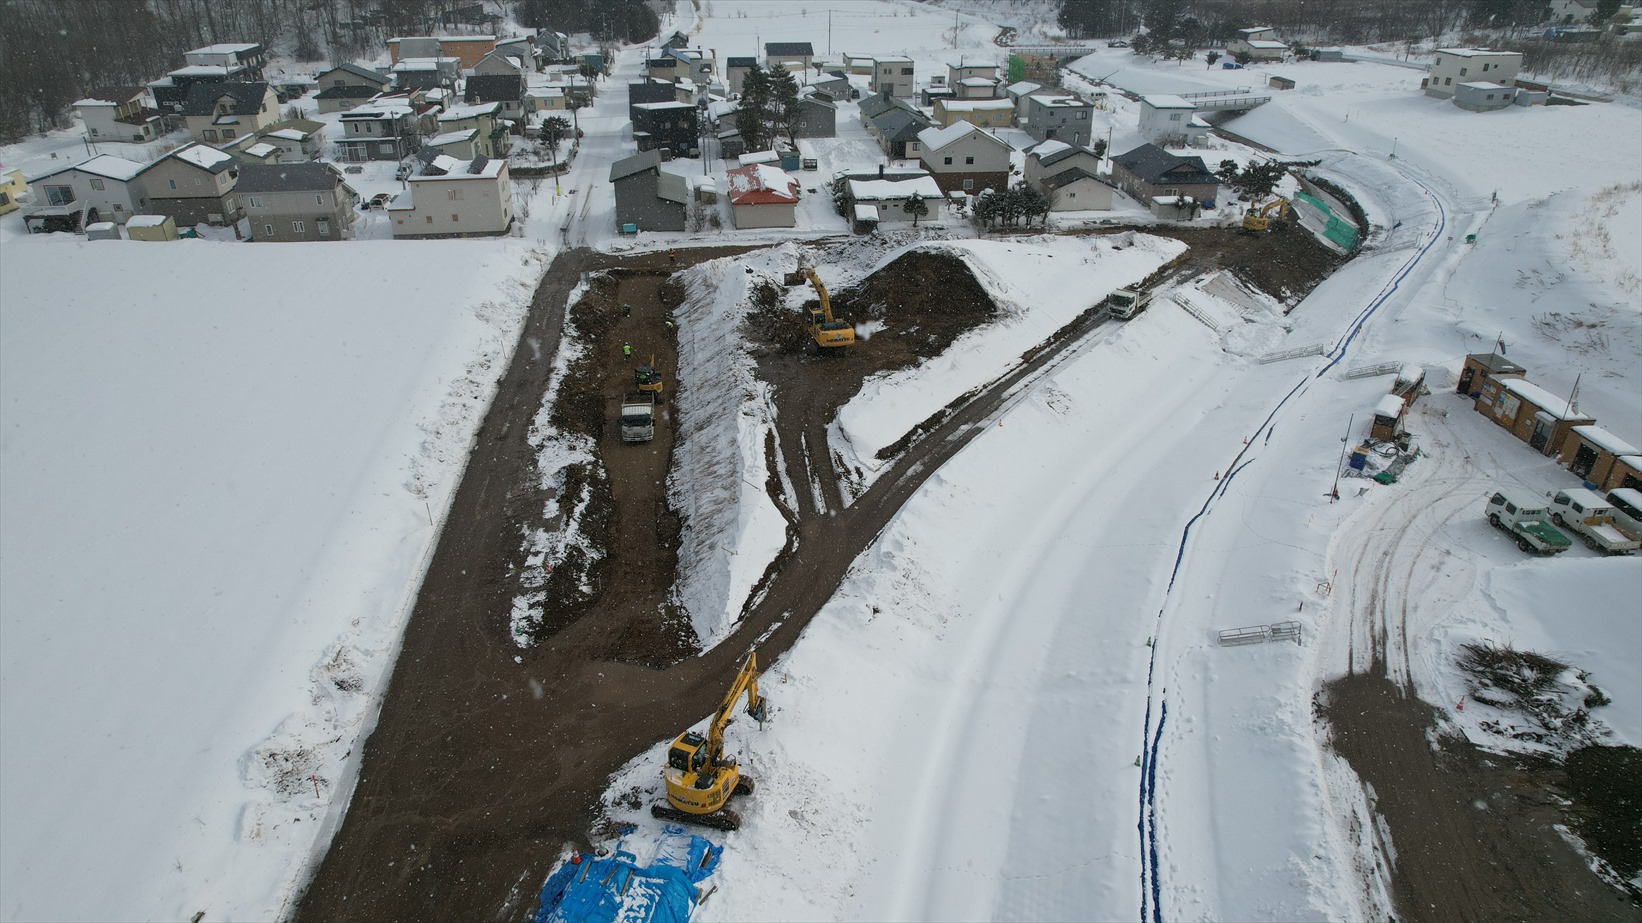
1151 886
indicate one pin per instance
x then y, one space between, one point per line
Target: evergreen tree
1033 203
553 131
917 208
783 101
755 103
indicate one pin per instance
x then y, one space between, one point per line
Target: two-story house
120 113
466 49
427 73
194 184
816 118
735 70
987 113
889 196
648 197
972 81
1149 172
1169 120
453 198
896 131
504 90
794 56
1453 66
893 73
295 201
491 136
241 62
347 85
963 157
380 131
1063 118
674 126
1259 43
105 188
1068 176
218 112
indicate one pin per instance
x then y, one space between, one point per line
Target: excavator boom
700 780
829 332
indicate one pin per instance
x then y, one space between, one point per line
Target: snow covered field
222 468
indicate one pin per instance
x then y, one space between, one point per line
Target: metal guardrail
1369 371
1315 349
1260 634
1195 311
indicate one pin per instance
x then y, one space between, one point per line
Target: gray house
650 91
295 201
648 197
1149 172
735 70
896 131
1069 177
1062 118
791 55
817 118
194 184
674 126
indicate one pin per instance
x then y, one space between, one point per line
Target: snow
1605 440
1560 408
880 189
1389 406
202 156
934 139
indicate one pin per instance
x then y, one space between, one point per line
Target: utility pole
954 28
829 31
1334 494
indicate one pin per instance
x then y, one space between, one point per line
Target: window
172 182
969 184
297 227
1462 71
210 134
59 195
228 134
947 162
1083 116
94 132
430 219
324 227
1447 81
319 199
1171 191
1174 117
969 160
906 72
1485 68
97 184
256 201
118 207
455 218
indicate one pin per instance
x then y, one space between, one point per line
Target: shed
151 227
1593 454
1483 96
866 218
1479 368
102 230
1388 419
1531 413
1279 83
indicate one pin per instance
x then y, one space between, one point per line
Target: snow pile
1040 284
218 505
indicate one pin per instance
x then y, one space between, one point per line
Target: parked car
1527 519
1587 515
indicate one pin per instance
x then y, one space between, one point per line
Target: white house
1167 120
964 158
891 193
1069 177
106 183
893 73
452 198
120 114
1454 66
1259 43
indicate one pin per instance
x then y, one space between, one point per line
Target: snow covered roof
290 134
936 138
1258 43
878 190
1058 101
105 165
892 59
88 102
1390 405
453 137
759 157
1557 407
260 150
865 212
226 48
1605 440
478 168
1050 148
1483 85
1474 52
762 184
977 105
1023 87
657 107
200 70
1166 101
147 221
206 158
978 82
471 111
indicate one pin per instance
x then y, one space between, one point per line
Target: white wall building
455 199
1453 66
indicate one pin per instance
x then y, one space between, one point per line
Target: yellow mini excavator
827 332
1259 219
700 779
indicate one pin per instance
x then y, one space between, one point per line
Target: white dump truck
638 417
1127 302
1584 513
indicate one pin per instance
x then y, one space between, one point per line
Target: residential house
171 91
1482 96
896 131
12 185
499 63
794 56
341 99
648 197
466 49
554 48
195 185
492 139
120 114
544 96
763 196
504 90
676 40
295 201
891 194
1596 455
1259 43
651 91
218 112
525 48
1149 172
834 84
1168 120
380 130
1478 371
252 149
880 102
1453 66
104 188
674 127
1063 118
1531 413
816 118
987 113
857 63
460 144
894 74
963 157
297 139
240 61
930 95
1069 177
453 198
680 64
352 75
427 73
973 81
735 70
1018 92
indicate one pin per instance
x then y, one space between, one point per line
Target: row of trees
633 21
1204 23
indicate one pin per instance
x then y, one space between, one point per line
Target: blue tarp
617 889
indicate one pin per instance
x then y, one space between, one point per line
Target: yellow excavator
700 778
1259 219
647 378
828 332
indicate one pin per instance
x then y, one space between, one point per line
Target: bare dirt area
1471 834
488 758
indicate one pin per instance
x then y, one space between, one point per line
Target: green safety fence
1337 230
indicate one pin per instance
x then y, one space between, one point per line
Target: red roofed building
763 196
